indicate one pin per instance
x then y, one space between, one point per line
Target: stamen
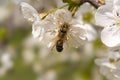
117 23
112 61
31 19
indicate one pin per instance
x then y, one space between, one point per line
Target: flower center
112 61
117 22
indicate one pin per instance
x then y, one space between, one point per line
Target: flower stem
74 10
93 3
53 10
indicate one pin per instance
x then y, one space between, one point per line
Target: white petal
62 16
116 2
50 22
59 3
86 7
109 2
78 30
91 32
111 36
99 62
28 11
51 39
116 10
37 30
114 55
103 16
118 64
77 36
109 65
51 45
116 73
107 72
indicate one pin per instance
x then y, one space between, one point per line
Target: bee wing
29 12
77 36
52 38
52 44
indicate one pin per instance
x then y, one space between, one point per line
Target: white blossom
47 29
50 25
49 75
110 65
6 63
108 16
4 14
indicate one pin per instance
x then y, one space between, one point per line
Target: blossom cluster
48 29
61 28
108 16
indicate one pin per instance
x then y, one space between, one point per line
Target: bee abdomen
59 46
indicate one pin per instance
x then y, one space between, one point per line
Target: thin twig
93 3
75 9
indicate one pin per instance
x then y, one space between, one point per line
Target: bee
62 36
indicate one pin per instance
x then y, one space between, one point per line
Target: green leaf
72 3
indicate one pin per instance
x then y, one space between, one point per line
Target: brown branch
93 3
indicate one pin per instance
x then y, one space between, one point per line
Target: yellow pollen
31 19
112 61
117 22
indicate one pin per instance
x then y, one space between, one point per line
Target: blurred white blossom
4 14
6 63
110 65
50 75
19 1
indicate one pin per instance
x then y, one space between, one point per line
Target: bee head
64 27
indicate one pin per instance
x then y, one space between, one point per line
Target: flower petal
37 30
28 11
104 16
62 16
114 55
111 36
78 30
99 62
91 32
107 73
116 10
86 7
77 36
116 2
116 74
109 2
